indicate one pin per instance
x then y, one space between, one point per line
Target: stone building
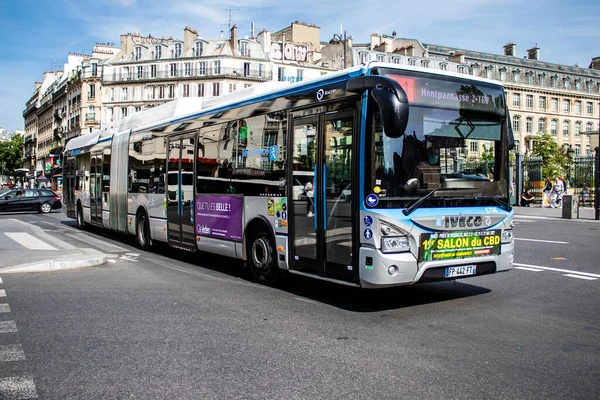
148 71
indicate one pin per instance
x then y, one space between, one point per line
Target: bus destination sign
456 245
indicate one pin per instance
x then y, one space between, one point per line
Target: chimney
264 38
375 40
189 36
510 49
595 64
533 53
252 30
234 40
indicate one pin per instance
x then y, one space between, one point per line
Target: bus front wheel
261 259
142 232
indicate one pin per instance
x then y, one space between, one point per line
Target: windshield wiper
503 205
422 200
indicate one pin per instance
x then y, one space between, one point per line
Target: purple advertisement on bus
219 216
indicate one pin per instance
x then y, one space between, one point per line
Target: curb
93 258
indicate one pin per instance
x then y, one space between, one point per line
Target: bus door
180 191
96 188
322 218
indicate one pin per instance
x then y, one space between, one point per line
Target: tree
11 153
554 158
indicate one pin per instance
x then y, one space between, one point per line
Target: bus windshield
455 146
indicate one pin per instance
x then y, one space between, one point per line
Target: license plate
464 270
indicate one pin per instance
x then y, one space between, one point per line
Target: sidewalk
27 248
585 213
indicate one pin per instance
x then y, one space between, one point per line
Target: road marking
587 278
558 270
0 280
11 352
45 236
530 269
17 388
2 293
110 260
8 326
543 241
27 240
4 308
305 300
105 246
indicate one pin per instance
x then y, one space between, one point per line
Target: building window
244 48
216 67
578 107
202 68
380 58
529 125
153 71
473 146
173 70
554 127
554 82
396 60
124 112
444 67
488 72
280 74
588 127
161 92
588 86
554 104
577 84
577 149
577 128
188 69
124 94
516 76
412 62
589 108
199 49
542 80
94 69
588 149
364 58
542 125
171 91
177 52
138 53
92 91
529 78
232 87
475 70
502 74
246 69
140 72
201 90
260 70
516 120
461 69
299 75
565 83
425 63
529 101
566 128
216 89
566 106
516 99
542 102
186 90
157 52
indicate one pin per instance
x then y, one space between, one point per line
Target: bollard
570 206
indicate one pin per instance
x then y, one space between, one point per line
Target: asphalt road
168 324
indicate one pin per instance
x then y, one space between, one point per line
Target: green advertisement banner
463 244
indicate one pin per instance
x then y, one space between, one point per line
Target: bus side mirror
391 99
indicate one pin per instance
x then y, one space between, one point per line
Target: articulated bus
387 150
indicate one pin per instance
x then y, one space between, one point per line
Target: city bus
384 146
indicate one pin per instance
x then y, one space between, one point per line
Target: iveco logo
465 221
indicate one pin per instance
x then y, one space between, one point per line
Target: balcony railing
191 74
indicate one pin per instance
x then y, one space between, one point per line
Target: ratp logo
203 230
322 93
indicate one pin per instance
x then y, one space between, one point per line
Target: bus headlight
394 244
507 236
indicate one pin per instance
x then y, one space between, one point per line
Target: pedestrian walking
547 191
558 190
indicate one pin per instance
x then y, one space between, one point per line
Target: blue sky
37 35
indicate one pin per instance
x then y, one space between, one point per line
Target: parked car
41 200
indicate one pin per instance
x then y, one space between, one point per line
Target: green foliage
11 153
554 158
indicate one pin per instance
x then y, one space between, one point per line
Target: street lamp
336 39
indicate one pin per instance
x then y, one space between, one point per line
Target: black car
41 200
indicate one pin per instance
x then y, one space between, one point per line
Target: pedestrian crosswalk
29 241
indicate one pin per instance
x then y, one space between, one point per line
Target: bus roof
183 109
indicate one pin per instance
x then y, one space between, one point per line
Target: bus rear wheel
142 232
260 258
